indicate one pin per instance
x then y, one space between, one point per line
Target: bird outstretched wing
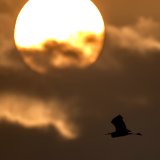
119 124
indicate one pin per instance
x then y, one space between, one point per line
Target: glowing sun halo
59 33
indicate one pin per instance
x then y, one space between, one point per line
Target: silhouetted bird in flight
121 129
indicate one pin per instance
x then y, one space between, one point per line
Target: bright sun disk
77 23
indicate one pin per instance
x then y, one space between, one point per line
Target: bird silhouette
121 129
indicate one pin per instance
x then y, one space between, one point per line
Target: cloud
54 54
33 112
8 53
139 41
140 37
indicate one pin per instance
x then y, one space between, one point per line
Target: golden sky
66 114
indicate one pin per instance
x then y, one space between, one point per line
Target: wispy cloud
33 112
141 37
8 57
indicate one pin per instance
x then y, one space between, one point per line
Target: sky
66 113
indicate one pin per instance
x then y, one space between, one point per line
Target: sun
59 34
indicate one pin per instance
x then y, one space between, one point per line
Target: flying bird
121 129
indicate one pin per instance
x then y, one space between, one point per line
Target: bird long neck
136 134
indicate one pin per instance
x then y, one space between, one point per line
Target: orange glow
71 22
